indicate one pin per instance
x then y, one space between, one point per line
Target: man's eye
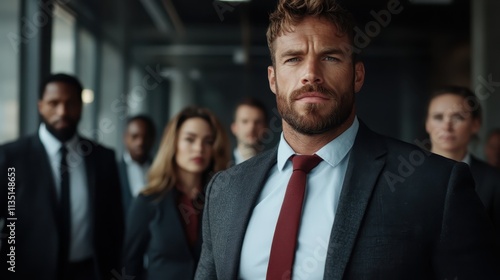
332 58
294 59
438 117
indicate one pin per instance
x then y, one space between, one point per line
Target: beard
62 134
317 118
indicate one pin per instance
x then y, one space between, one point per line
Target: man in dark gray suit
374 207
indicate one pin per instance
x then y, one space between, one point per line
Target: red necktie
285 234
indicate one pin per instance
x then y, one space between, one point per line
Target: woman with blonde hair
163 238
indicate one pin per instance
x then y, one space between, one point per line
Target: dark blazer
487 180
127 197
155 229
403 213
36 203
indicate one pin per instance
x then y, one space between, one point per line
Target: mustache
65 119
313 88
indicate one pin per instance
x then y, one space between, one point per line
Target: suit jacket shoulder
487 180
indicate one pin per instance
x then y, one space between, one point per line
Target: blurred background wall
157 56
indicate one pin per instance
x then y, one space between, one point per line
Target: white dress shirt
323 187
81 240
238 158
136 174
466 159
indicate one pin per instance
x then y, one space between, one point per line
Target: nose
62 109
198 146
140 141
448 124
312 73
252 126
140 147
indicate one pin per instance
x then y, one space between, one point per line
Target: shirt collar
129 161
127 158
52 144
238 158
466 159
332 153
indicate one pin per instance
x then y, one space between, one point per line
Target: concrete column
34 44
181 91
485 80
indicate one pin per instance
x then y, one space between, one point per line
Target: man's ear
271 76
476 126
359 76
39 105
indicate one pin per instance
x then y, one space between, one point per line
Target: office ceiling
202 33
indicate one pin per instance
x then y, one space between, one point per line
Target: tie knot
64 150
305 163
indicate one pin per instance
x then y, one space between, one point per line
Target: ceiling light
87 96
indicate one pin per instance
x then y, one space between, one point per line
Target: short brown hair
254 103
291 12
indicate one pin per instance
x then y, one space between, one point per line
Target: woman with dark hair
453 120
163 238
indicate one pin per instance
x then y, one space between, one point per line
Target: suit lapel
365 164
176 227
90 170
40 158
126 192
244 199
476 172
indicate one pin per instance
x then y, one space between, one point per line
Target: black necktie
65 212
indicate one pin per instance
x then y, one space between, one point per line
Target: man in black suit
68 217
139 138
373 208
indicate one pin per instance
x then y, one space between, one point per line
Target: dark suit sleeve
464 249
495 215
137 235
3 214
4 188
109 221
206 265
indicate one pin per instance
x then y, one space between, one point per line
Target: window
63 42
9 70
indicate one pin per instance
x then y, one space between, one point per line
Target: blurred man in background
139 138
249 125
68 211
